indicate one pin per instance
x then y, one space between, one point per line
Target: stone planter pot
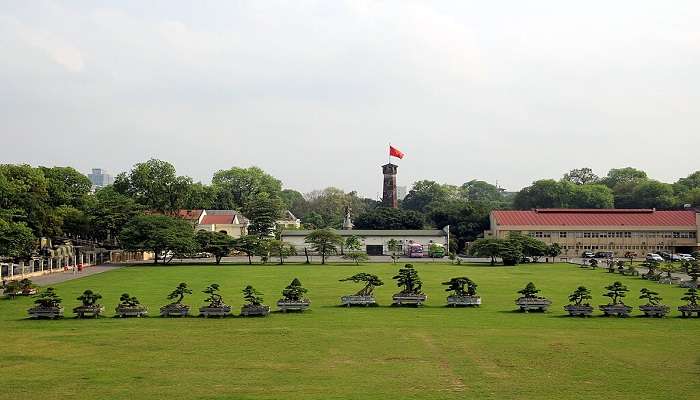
208 311
584 310
464 301
688 311
126 312
354 300
46 312
688 284
175 310
249 310
620 310
409 299
88 311
285 305
533 304
26 292
654 311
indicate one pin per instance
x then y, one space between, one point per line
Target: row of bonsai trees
462 293
578 306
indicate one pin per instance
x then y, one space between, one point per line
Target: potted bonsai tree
24 287
129 306
176 308
529 301
90 307
364 296
691 296
463 292
293 297
652 308
616 292
651 266
577 307
253 305
411 293
216 306
48 305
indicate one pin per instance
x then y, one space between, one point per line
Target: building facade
100 178
375 241
620 231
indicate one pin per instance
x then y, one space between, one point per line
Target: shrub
457 286
529 291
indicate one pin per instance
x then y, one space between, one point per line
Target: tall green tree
66 186
16 240
263 213
248 245
155 185
486 247
217 243
236 187
110 212
389 218
158 233
325 242
581 176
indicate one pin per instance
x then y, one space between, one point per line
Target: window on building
562 234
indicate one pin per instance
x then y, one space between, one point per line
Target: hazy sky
312 91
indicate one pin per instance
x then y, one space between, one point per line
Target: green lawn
360 353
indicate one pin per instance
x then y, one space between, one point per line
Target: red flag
394 152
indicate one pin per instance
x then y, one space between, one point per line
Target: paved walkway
58 277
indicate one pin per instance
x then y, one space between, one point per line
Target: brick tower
389 198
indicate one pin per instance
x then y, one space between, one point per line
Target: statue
347 222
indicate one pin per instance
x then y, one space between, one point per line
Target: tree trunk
218 259
306 253
250 259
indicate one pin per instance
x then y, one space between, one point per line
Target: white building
375 241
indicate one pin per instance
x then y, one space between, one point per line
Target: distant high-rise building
401 192
100 178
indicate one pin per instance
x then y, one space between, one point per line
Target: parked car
587 254
526 260
686 257
604 254
665 255
654 257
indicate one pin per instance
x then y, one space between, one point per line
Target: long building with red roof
603 230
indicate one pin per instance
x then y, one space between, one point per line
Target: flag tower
389 195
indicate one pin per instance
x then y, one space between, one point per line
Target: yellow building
603 230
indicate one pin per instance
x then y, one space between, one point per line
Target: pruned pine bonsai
176 308
692 306
48 305
576 306
293 297
130 306
364 296
411 285
463 292
253 305
90 306
651 266
617 291
529 301
216 306
23 287
652 308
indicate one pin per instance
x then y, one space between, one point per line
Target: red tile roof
189 214
218 219
593 217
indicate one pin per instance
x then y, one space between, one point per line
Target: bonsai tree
616 292
651 297
252 296
371 281
668 268
393 245
529 291
461 286
691 296
409 280
26 285
89 298
214 299
179 293
694 273
651 265
593 263
127 301
294 292
579 295
12 288
48 299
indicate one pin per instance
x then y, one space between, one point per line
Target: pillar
41 265
12 270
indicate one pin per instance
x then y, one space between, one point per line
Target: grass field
360 353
